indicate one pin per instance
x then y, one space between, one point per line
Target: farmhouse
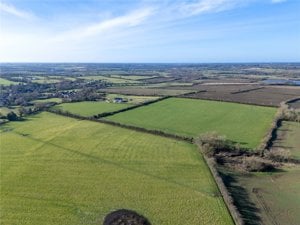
119 100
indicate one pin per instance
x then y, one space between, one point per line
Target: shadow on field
242 201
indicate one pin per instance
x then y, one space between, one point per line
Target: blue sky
149 30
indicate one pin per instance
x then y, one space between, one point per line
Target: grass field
288 138
6 82
240 123
110 79
276 196
90 108
58 170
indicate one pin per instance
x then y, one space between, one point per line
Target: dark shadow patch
125 217
247 209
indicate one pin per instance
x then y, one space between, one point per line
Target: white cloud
206 6
12 10
132 19
278 1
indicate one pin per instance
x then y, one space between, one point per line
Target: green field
132 77
289 134
58 170
240 123
6 82
276 196
90 108
109 79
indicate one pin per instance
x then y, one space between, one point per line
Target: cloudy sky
149 30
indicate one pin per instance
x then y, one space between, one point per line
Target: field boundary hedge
130 127
185 95
229 202
126 94
230 101
269 138
105 114
246 90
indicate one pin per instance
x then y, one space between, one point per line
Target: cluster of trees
22 94
290 114
85 94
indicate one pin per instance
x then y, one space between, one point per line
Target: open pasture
6 82
132 77
288 138
110 79
90 108
272 198
240 123
60 170
56 100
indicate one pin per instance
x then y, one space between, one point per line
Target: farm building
119 100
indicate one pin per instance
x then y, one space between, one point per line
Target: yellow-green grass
58 170
5 110
109 79
132 77
289 134
276 195
170 84
62 78
6 82
132 99
56 100
87 108
244 124
46 81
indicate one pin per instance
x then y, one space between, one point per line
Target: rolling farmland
288 138
240 123
75 172
275 197
90 108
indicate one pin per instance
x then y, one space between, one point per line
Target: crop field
90 108
132 77
249 94
60 170
288 138
6 82
244 124
110 79
145 91
170 84
295 104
